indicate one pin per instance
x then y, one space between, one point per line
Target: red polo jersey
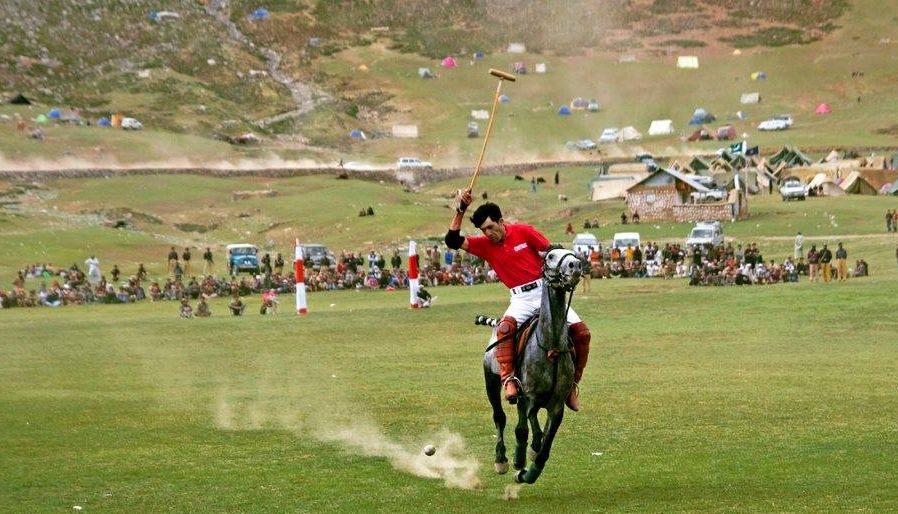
515 259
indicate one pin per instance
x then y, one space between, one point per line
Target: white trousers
525 305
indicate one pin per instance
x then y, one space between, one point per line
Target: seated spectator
236 306
269 303
186 310
202 308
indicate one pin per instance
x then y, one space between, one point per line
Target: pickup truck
793 190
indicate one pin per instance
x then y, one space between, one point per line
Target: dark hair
486 210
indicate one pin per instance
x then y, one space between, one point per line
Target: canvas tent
759 75
425 73
823 108
481 114
260 14
405 131
701 134
750 98
564 111
540 67
504 99
516 48
701 116
687 61
54 114
790 156
661 128
626 58
826 184
449 62
629 134
104 122
357 134
855 184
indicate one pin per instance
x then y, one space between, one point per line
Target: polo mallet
503 76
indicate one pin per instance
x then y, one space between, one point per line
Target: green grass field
756 399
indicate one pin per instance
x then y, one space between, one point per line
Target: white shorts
524 305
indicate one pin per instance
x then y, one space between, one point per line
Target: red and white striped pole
299 274
413 275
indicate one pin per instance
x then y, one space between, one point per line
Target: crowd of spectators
45 285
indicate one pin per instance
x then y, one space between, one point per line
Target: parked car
793 189
131 124
412 163
583 242
609 135
582 144
786 118
242 257
316 253
773 124
705 233
623 239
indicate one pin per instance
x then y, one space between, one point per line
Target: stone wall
662 203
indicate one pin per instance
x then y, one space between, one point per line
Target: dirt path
306 96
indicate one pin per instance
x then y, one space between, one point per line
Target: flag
752 151
736 148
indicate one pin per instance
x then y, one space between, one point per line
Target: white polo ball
429 450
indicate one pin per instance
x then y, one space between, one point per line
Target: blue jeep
242 257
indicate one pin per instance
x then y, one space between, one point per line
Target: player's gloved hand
462 200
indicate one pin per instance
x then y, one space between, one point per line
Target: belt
527 287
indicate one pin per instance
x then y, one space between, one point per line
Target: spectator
424 298
841 263
115 272
172 259
279 264
236 306
888 220
826 257
623 218
202 308
813 262
186 257
636 217
186 310
269 302
799 244
93 270
569 229
208 264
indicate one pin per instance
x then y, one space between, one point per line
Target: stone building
668 195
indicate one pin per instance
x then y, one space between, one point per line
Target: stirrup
513 399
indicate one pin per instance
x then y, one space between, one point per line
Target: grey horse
546 371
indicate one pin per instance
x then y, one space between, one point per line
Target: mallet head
502 75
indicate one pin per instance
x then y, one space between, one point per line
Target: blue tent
478 55
357 134
54 113
564 111
504 99
701 116
104 122
260 14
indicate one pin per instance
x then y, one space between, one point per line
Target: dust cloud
76 163
330 420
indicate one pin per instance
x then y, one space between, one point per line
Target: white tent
626 58
481 114
629 134
405 131
605 187
516 48
687 61
750 98
661 128
540 67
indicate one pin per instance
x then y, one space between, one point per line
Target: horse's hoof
502 468
531 454
519 466
519 477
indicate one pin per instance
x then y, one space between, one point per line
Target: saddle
520 342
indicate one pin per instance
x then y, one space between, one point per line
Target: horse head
561 269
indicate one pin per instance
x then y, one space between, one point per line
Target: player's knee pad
506 327
580 333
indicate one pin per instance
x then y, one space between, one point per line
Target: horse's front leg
536 441
553 421
494 395
520 434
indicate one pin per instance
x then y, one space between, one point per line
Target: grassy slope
322 209
782 402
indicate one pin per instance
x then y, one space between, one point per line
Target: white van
623 239
583 242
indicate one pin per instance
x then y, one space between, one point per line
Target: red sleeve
476 245
536 239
